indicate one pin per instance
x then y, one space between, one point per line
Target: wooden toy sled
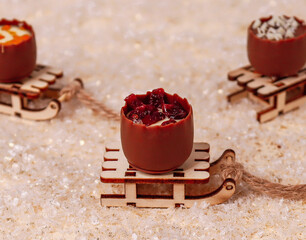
193 182
20 99
279 95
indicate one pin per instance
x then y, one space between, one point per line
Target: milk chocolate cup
157 149
276 58
17 61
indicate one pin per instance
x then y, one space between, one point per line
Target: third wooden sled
278 95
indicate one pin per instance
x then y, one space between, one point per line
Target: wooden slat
185 174
32 86
141 193
264 86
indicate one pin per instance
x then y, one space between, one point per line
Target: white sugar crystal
24 194
94 220
82 238
134 236
15 202
8 159
16 167
56 203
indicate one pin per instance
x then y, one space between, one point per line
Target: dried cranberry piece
132 101
157 116
174 110
147 114
168 122
147 120
133 115
145 110
157 97
153 117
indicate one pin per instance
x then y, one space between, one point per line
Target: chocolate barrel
17 61
279 58
157 149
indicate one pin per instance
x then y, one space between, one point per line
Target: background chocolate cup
157 149
17 61
276 58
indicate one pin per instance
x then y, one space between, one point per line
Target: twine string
236 171
229 169
75 88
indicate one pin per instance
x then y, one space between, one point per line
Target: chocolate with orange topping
17 50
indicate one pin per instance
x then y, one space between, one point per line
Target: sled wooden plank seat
139 187
34 87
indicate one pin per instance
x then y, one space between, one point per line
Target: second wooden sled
278 95
17 98
185 186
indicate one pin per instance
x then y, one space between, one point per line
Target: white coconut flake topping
277 28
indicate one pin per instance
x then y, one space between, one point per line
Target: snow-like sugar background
49 171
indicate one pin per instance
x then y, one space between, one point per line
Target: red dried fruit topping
132 101
174 110
157 97
153 107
